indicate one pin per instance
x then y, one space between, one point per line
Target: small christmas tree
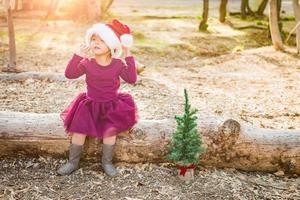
186 142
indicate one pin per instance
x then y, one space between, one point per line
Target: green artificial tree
186 143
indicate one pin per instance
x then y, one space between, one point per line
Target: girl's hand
126 51
83 51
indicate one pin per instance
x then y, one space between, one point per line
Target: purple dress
102 111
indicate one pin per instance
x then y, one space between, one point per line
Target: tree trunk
105 5
27 4
262 7
296 8
11 67
93 10
228 143
51 75
243 9
36 75
203 24
223 11
16 5
88 10
274 28
278 8
249 10
52 8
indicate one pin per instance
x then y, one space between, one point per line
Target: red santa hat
114 35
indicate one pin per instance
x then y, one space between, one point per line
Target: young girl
101 112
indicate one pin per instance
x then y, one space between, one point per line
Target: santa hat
114 35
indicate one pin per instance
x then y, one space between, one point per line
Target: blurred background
221 51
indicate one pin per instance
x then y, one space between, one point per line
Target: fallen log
47 75
229 144
252 26
34 75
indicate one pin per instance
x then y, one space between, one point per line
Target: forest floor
35 178
228 73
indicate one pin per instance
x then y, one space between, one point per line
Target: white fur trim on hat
108 36
126 40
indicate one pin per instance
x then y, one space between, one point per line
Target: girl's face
98 46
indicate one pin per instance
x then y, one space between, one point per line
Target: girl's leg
107 155
110 140
78 139
75 150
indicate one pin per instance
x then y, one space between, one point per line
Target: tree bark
11 67
16 5
105 5
228 143
88 10
278 8
223 10
93 11
203 24
296 8
35 75
274 28
262 7
249 10
52 8
243 8
27 4
50 75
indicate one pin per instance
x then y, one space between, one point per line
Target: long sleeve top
103 82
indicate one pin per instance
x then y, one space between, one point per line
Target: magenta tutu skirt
100 119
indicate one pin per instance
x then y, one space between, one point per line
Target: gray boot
107 154
74 158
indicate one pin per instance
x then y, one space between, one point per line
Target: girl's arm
128 71
76 66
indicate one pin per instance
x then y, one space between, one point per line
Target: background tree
27 4
278 8
11 66
296 8
16 5
106 4
52 8
203 24
274 28
245 9
222 10
91 10
96 10
261 8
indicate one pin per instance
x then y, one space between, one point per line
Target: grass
22 36
138 35
288 18
168 17
141 40
3 34
158 44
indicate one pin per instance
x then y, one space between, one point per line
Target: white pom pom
126 40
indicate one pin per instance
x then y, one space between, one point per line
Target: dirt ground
36 179
223 74
228 73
